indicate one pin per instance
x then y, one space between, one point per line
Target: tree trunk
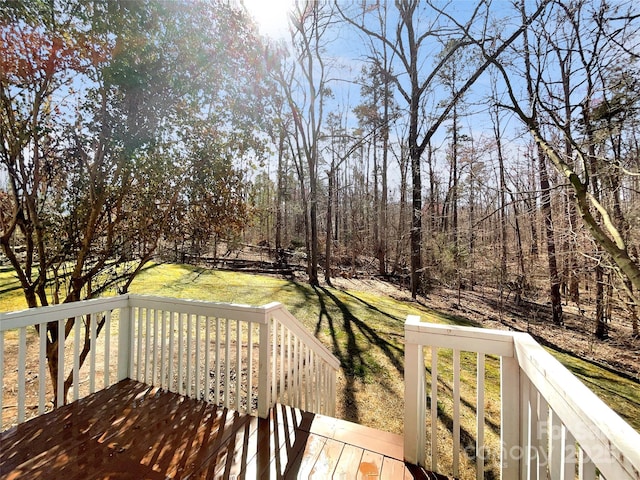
382 253
416 224
329 231
503 214
554 278
313 220
403 164
280 193
454 188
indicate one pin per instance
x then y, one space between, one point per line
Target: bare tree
305 88
408 41
604 34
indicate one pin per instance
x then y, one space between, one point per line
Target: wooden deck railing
551 425
241 357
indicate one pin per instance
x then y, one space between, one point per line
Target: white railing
241 357
550 424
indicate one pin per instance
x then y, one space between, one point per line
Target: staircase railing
238 356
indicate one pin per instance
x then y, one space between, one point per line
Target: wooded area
430 143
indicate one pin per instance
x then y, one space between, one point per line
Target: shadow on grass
373 307
10 289
351 353
468 445
349 358
449 317
351 337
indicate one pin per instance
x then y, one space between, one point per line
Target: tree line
494 144
509 134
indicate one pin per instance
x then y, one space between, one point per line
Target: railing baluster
147 343
329 401
227 363
155 369
60 379
274 365
281 364
480 418
42 370
170 360
250 368
217 367
556 447
238 363
198 365
296 366
163 349
305 378
569 455
324 388
207 358
93 321
138 339
456 412
309 381
76 357
318 383
22 374
180 379
586 468
301 372
525 445
434 409
544 452
509 417
107 349
189 354
264 374
289 367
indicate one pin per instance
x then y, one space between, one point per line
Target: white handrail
52 313
246 313
151 332
305 368
278 310
610 442
551 423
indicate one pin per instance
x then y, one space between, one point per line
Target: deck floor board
134 431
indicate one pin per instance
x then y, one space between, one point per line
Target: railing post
264 368
414 400
125 342
510 421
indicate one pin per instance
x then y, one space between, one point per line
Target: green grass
365 330
621 394
11 294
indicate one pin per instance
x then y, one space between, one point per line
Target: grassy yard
365 330
11 296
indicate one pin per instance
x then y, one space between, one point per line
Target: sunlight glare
270 15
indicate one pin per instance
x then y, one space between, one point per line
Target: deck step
134 431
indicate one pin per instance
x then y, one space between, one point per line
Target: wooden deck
133 431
